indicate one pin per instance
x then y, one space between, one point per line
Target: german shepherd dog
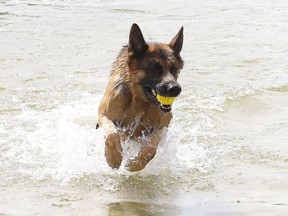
137 102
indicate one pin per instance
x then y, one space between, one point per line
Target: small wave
281 88
202 100
4 14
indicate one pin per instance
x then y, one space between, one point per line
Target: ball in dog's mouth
166 101
162 102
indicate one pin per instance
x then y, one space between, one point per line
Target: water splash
62 145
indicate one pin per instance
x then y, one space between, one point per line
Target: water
226 150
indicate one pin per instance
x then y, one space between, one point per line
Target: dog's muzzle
164 96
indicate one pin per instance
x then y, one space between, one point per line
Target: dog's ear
137 45
177 42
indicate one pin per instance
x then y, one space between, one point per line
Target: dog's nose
174 89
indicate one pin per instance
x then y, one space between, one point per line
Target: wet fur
126 111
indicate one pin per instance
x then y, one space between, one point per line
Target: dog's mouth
162 102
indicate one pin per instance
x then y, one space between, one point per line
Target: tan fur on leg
113 150
146 153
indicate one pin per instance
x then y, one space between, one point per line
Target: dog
138 99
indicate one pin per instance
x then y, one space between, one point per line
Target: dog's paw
135 164
113 150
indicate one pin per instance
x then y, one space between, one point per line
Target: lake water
226 151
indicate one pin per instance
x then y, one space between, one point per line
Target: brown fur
125 110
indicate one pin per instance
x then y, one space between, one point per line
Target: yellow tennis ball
165 100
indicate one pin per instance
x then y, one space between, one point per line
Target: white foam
63 145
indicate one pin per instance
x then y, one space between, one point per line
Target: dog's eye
156 69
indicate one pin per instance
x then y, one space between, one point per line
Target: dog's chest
144 123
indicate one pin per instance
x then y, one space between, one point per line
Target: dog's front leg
145 154
113 148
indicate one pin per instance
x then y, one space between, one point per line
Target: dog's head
156 66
